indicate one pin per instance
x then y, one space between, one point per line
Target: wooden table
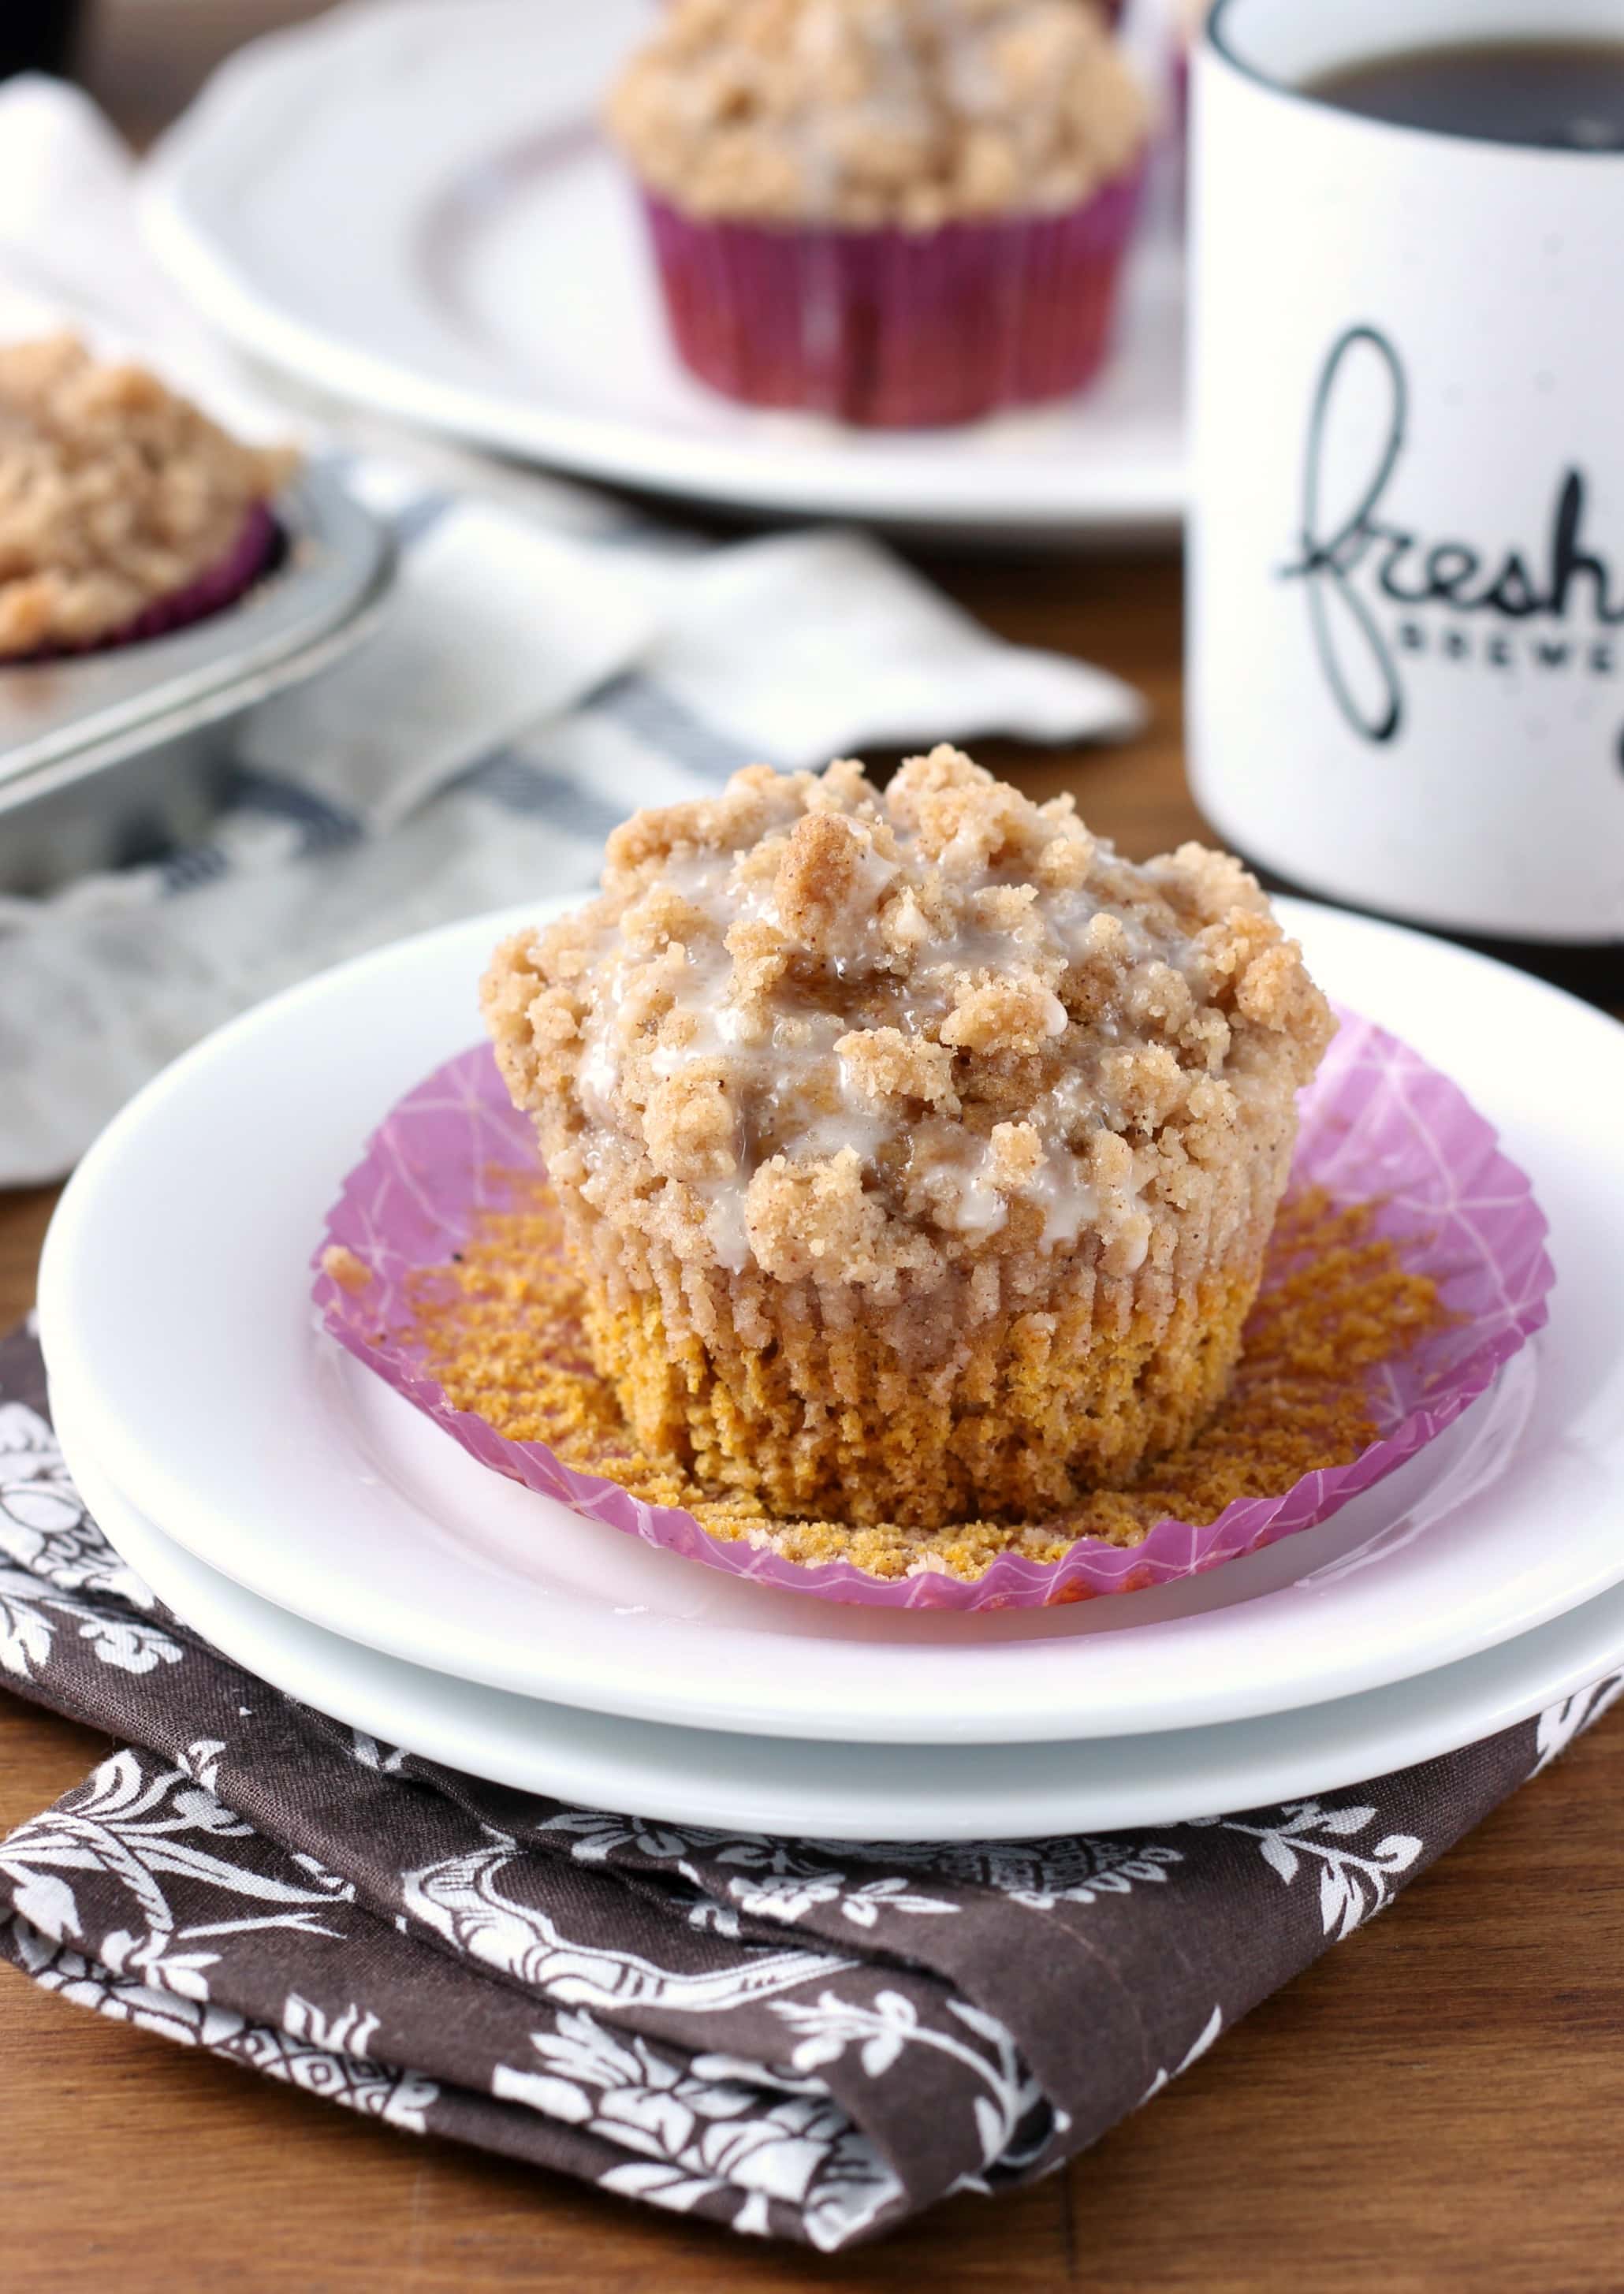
1435 2105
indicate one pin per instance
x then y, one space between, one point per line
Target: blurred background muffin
124 511
895 212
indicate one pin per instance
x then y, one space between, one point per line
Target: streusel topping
865 112
858 1037
114 493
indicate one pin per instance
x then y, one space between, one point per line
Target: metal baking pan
110 758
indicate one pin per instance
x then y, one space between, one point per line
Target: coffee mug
1407 546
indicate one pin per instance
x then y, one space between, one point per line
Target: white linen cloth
551 660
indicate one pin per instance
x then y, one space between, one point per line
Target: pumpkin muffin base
500 1331
837 1422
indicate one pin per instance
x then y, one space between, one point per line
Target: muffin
917 1154
896 212
123 510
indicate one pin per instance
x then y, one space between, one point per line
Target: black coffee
1561 95
37 35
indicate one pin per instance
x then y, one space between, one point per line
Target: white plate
864 1792
177 1326
408 206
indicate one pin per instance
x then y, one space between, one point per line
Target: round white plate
864 1792
177 1327
410 206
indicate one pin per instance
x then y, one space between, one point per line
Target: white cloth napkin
551 659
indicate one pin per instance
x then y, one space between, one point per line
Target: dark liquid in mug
1558 95
37 35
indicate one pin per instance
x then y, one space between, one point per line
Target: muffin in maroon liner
891 329
898 212
124 511
259 545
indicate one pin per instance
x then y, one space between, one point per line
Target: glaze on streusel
917 1153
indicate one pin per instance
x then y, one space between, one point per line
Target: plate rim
162 1493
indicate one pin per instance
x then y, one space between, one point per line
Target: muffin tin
110 758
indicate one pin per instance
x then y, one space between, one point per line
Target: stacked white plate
324 1534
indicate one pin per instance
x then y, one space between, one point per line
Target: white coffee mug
1406 555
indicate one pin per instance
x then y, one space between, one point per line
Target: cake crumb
350 1274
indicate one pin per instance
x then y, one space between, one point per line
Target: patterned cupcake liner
259 539
892 328
1377 1124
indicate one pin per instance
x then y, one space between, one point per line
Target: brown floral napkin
790 2036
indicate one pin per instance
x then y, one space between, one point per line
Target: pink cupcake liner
893 329
258 540
1378 1124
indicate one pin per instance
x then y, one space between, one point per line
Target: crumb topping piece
860 1038
341 1265
867 112
114 493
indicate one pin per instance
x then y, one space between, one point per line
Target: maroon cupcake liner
259 538
893 329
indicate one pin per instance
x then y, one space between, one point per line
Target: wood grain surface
1437 2104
